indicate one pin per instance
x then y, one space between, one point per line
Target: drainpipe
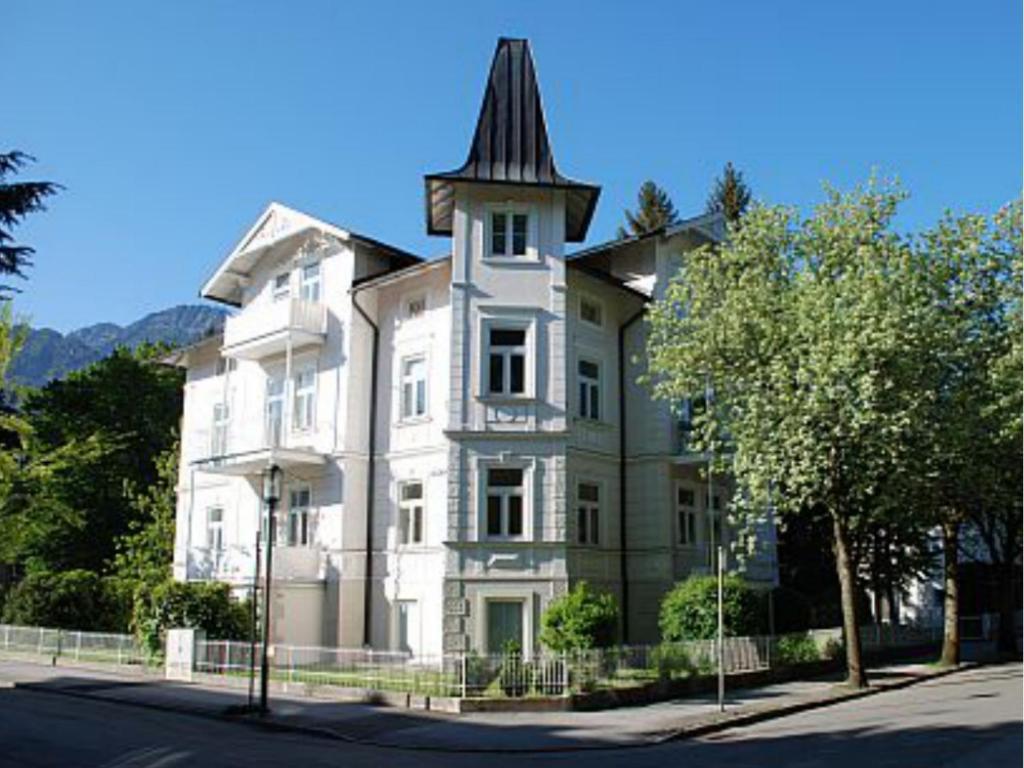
623 570
370 472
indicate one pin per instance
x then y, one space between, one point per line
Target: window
273 414
304 397
590 311
298 517
310 284
509 233
588 511
414 387
506 365
504 502
219 434
415 307
410 513
215 528
226 365
686 515
282 286
590 390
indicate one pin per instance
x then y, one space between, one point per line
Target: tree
730 195
974 446
580 620
145 554
810 335
17 200
654 211
89 435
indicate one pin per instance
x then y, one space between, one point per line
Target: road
969 719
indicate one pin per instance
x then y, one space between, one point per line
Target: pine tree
17 200
730 195
654 210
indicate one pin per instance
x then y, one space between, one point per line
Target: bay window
504 502
506 361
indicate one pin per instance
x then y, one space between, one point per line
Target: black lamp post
271 495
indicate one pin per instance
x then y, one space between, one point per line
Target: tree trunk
1006 587
855 674
950 571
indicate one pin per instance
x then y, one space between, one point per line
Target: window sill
413 421
492 399
511 261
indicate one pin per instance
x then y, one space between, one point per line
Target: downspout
623 569
370 473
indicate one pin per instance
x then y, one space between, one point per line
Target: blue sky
173 124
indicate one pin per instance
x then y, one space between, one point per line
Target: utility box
180 653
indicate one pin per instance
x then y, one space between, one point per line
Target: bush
580 620
202 605
78 599
671 660
796 649
690 610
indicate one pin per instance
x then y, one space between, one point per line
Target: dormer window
282 286
509 233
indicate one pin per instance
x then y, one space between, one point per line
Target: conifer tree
17 200
730 195
654 210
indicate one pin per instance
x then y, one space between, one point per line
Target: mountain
48 354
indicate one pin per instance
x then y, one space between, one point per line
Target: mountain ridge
48 354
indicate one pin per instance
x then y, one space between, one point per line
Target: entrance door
409 626
504 624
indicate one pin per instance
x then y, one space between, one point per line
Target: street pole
270 489
254 597
721 634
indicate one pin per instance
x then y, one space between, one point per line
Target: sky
172 125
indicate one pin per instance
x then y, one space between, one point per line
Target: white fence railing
96 647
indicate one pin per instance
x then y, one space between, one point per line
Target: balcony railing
264 329
236 563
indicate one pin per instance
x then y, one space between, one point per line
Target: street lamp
271 496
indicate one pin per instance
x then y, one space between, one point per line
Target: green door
504 624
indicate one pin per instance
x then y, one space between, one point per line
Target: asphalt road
969 719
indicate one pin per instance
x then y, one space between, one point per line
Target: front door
504 624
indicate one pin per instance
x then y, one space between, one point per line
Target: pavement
504 732
971 719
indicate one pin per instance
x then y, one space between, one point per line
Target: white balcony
248 447
296 563
262 329
236 564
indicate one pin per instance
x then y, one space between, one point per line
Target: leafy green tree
145 553
690 610
579 620
810 334
89 435
205 605
974 444
18 200
654 211
730 195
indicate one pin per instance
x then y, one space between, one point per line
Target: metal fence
85 647
480 675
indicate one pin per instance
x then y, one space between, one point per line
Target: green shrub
690 610
580 620
202 605
672 660
80 600
833 650
796 649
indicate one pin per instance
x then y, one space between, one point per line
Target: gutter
370 474
623 569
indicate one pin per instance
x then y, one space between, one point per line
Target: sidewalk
484 732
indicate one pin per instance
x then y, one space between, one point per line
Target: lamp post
271 495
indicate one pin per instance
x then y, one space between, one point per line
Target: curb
709 725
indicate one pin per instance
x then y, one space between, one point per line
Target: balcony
246 448
235 564
263 329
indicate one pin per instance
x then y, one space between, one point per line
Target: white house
461 439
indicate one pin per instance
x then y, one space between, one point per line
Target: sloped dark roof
510 146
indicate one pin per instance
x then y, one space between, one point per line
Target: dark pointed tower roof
511 146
